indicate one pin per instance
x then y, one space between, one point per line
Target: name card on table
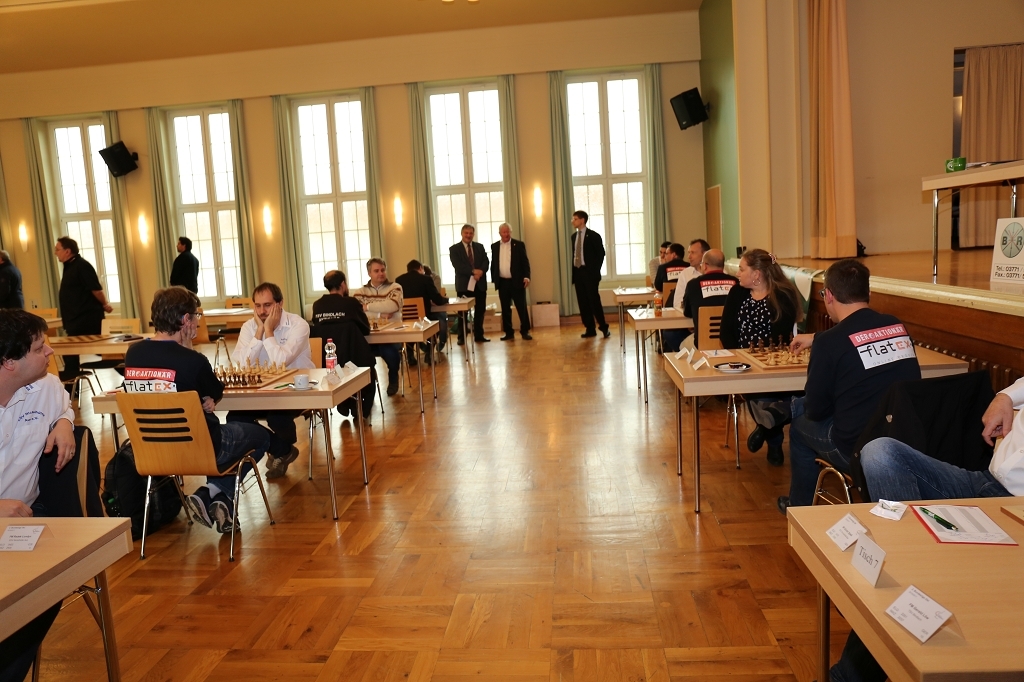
685 353
921 615
20 538
702 362
846 531
868 558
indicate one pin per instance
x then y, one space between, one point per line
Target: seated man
673 269
655 263
383 299
273 335
339 317
416 283
895 471
36 416
710 289
852 366
167 363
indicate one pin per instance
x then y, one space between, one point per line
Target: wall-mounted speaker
119 160
689 109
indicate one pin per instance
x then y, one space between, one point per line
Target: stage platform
968 268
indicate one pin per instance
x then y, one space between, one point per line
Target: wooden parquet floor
529 526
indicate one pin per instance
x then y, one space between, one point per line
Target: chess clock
1012 240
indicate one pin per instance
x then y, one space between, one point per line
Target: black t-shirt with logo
852 366
710 289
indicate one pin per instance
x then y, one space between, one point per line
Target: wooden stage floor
967 268
529 526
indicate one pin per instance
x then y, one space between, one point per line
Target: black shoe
527 337
775 455
589 334
783 504
508 337
462 342
607 332
392 388
756 438
482 339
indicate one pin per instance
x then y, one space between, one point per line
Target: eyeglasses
197 316
822 293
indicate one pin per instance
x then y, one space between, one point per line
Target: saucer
732 367
307 388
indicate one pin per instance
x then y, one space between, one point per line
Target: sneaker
221 510
279 466
199 504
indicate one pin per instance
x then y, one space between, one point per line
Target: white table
111 344
459 306
646 323
625 296
227 317
322 398
407 332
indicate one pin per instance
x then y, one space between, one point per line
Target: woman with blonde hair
763 309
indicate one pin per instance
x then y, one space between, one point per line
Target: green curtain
291 222
124 245
425 234
246 234
510 155
49 281
374 205
659 226
162 222
563 201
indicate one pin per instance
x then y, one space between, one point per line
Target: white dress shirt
25 423
505 259
289 345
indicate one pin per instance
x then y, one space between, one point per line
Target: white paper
472 284
868 558
718 353
918 613
846 531
20 538
974 525
887 509
700 363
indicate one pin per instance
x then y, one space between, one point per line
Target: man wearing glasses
852 366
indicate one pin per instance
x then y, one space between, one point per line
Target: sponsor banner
149 380
673 274
882 346
716 287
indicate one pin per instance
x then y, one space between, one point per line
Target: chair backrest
128 325
666 293
412 309
709 326
316 351
650 282
45 313
168 433
238 302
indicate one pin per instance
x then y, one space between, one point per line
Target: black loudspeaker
119 160
689 109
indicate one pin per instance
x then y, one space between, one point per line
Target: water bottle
657 304
331 356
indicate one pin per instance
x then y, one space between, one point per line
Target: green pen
939 520
280 386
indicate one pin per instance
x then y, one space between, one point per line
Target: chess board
772 359
88 338
260 380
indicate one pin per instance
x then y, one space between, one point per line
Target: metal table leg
645 367
419 375
696 454
326 417
362 444
433 367
107 628
637 339
622 327
679 432
824 606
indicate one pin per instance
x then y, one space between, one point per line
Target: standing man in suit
510 271
82 301
470 262
185 271
587 259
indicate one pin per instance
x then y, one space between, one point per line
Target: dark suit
511 289
185 272
463 272
587 279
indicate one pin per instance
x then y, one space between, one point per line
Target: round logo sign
1012 241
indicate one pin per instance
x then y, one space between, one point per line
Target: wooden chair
413 310
709 329
666 293
238 302
823 494
649 281
170 438
129 325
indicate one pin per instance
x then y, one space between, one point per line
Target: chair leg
234 508
728 411
380 398
736 430
263 491
181 495
36 663
312 427
145 517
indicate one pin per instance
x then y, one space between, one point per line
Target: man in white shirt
510 272
35 418
273 336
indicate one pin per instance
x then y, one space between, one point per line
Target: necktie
577 261
469 252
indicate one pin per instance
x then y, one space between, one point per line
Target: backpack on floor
124 494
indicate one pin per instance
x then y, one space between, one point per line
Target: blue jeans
237 439
808 440
896 471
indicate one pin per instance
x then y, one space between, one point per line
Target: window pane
220 156
628 207
100 174
356 231
112 284
451 216
490 214
323 250
446 134
71 166
624 126
197 228
227 229
81 232
314 149
348 124
485 135
584 128
188 140
590 198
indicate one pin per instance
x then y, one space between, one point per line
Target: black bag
124 493
59 493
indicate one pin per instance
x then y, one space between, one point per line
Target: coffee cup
301 381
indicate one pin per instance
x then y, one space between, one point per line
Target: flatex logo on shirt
883 345
716 287
673 274
149 380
